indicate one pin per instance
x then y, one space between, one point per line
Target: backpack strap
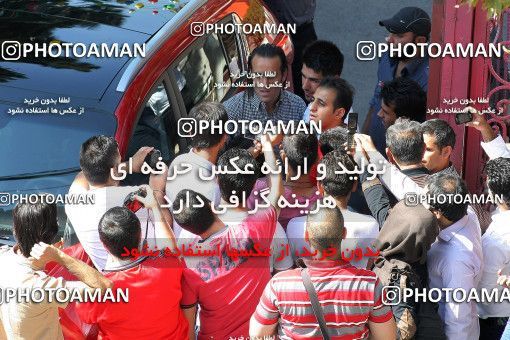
316 307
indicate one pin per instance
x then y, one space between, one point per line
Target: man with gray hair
404 148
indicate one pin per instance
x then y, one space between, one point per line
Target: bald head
325 229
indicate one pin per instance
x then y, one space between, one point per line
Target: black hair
269 51
212 112
344 92
406 97
325 228
324 57
299 146
34 223
498 178
97 156
333 139
442 132
240 183
336 184
118 228
195 217
405 141
442 192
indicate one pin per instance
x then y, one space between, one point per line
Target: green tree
493 7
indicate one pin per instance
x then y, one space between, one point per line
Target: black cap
408 19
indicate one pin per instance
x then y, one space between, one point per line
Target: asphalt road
345 22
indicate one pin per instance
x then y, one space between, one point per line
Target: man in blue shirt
411 25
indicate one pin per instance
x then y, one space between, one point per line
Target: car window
205 71
156 126
232 51
200 70
37 144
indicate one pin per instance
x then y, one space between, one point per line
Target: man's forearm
163 228
487 133
377 200
161 199
86 274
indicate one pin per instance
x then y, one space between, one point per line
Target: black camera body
463 117
153 158
352 127
132 203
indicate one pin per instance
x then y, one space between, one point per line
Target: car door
209 70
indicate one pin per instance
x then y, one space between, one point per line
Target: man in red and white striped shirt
351 298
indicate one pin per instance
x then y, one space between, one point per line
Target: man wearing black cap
411 25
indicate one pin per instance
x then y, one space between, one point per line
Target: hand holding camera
476 119
147 198
139 199
140 156
152 158
352 127
479 122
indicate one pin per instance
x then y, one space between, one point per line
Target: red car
139 100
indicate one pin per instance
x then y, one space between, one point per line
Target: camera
153 158
463 117
132 203
352 127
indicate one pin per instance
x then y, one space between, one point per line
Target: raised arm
157 182
86 274
163 233
493 144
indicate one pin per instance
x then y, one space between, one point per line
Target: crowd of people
319 269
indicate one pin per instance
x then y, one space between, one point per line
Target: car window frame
242 51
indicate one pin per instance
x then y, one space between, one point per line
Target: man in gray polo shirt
200 160
267 98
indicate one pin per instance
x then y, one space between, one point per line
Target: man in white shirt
496 240
439 139
99 160
35 227
321 59
496 248
455 260
361 230
493 144
194 170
